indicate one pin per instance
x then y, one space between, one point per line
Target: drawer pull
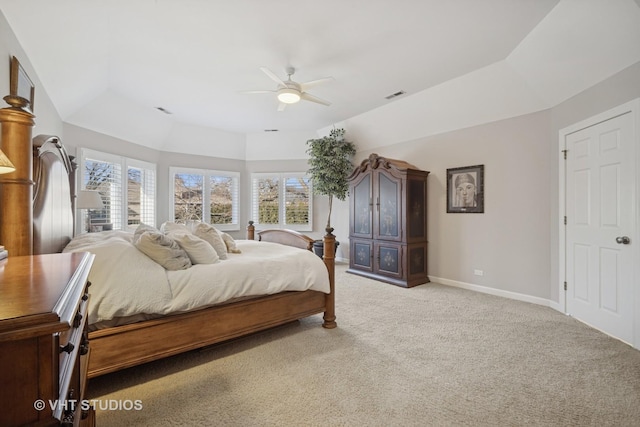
84 345
77 320
69 414
67 348
85 297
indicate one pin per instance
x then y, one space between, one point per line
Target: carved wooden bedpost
329 260
16 188
251 229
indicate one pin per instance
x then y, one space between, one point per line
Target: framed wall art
465 189
20 84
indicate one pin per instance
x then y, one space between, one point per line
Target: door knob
623 240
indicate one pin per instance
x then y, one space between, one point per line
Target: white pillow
210 235
230 243
162 249
199 251
169 226
142 227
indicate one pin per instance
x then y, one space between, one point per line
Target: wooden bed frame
121 347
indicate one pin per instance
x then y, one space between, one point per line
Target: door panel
389 259
362 254
609 267
388 208
361 208
600 194
580 280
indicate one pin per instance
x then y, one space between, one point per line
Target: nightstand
44 349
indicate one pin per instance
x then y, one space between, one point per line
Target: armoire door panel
362 254
389 259
388 211
361 208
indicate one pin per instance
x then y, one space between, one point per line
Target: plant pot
318 247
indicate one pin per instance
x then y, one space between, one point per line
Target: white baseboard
494 291
556 306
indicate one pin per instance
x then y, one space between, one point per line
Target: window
127 202
282 200
205 195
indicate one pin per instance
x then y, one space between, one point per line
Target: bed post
16 188
329 260
250 231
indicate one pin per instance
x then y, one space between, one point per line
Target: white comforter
125 282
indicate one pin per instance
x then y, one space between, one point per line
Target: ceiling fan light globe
288 96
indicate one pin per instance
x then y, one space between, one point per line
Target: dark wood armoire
388 221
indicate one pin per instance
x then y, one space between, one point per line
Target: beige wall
48 121
510 241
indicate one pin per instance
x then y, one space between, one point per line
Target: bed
122 344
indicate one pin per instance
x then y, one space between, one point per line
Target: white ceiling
107 64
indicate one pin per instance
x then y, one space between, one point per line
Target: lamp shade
5 164
88 199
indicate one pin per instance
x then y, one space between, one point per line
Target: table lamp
88 199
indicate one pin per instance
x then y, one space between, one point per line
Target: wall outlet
478 272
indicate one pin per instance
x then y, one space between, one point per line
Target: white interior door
600 197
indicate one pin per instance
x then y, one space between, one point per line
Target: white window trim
125 163
281 200
206 197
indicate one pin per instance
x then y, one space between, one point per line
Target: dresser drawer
72 346
70 341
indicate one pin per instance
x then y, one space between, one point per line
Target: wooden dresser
44 347
388 221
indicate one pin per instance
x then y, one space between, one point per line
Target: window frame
282 182
206 196
125 163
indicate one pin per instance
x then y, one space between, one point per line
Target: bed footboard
299 240
121 347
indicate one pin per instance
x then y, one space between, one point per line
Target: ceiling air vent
164 110
393 95
271 130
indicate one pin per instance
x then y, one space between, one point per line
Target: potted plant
329 167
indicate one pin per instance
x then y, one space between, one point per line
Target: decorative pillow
160 248
169 226
230 244
199 251
141 229
210 235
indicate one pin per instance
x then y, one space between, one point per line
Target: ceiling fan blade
312 83
308 97
282 106
272 76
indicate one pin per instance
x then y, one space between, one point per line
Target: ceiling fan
289 91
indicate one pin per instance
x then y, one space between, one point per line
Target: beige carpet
431 355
